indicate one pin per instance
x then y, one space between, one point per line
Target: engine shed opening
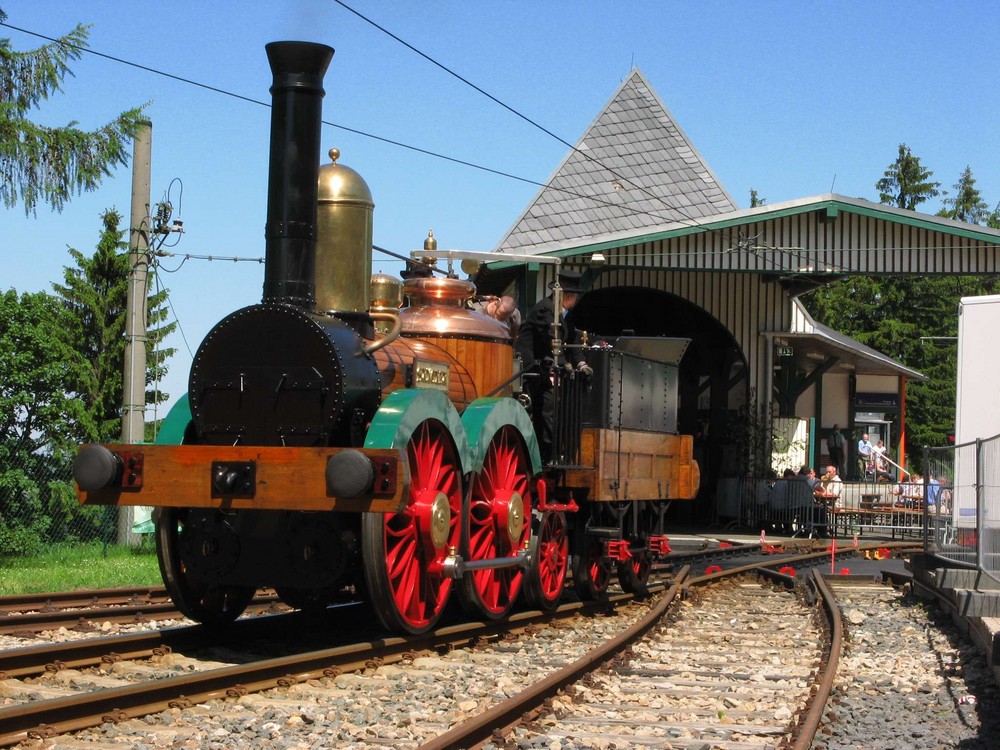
713 379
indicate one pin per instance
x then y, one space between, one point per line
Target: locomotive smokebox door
275 375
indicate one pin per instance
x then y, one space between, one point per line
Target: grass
67 567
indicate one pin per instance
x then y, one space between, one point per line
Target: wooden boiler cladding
438 327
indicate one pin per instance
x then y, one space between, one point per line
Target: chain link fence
964 526
39 508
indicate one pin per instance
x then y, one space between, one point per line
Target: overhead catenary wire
621 179
740 244
345 128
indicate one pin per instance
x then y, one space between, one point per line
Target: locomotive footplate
243 477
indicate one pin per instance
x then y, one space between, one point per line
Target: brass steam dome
341 184
343 239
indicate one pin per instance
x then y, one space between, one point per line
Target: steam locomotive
337 444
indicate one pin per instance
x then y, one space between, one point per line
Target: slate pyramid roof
634 168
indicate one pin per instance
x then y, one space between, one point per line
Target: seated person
803 509
938 493
881 465
831 486
808 474
911 491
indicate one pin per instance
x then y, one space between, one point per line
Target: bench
877 516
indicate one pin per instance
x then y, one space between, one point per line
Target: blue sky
791 99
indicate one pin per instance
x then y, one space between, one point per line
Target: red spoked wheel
633 574
405 551
549 560
186 541
497 524
592 569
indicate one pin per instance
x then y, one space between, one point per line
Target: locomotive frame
336 447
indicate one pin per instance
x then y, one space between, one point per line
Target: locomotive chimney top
296 118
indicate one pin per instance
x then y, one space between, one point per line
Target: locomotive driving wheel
405 551
549 560
497 524
179 543
591 568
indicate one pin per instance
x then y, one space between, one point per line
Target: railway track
84 611
737 666
117 688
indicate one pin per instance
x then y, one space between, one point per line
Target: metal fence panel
38 507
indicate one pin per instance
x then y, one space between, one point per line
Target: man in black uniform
534 344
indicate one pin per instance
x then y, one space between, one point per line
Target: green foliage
891 315
37 410
40 164
66 567
993 220
906 183
61 364
94 295
968 204
39 419
756 200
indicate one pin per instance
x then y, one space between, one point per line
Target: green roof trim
832 208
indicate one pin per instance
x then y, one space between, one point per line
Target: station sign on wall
877 400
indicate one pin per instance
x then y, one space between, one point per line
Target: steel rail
34 660
809 724
35 622
81 598
48 718
499 720
43 719
508 713
88 652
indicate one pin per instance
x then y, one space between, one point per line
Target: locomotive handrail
397 327
505 383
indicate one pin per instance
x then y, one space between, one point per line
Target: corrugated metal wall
733 273
745 304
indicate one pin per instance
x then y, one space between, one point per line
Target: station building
682 259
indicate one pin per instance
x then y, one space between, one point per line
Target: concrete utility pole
134 408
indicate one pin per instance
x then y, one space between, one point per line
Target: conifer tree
93 297
968 204
906 183
49 165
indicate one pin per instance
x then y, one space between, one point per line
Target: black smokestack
296 114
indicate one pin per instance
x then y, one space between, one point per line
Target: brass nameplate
430 375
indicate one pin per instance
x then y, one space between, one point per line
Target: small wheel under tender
187 540
404 552
591 568
543 583
497 522
633 574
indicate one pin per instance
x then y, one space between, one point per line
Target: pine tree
41 164
968 204
94 296
993 220
906 183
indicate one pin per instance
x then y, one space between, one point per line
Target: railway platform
972 596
